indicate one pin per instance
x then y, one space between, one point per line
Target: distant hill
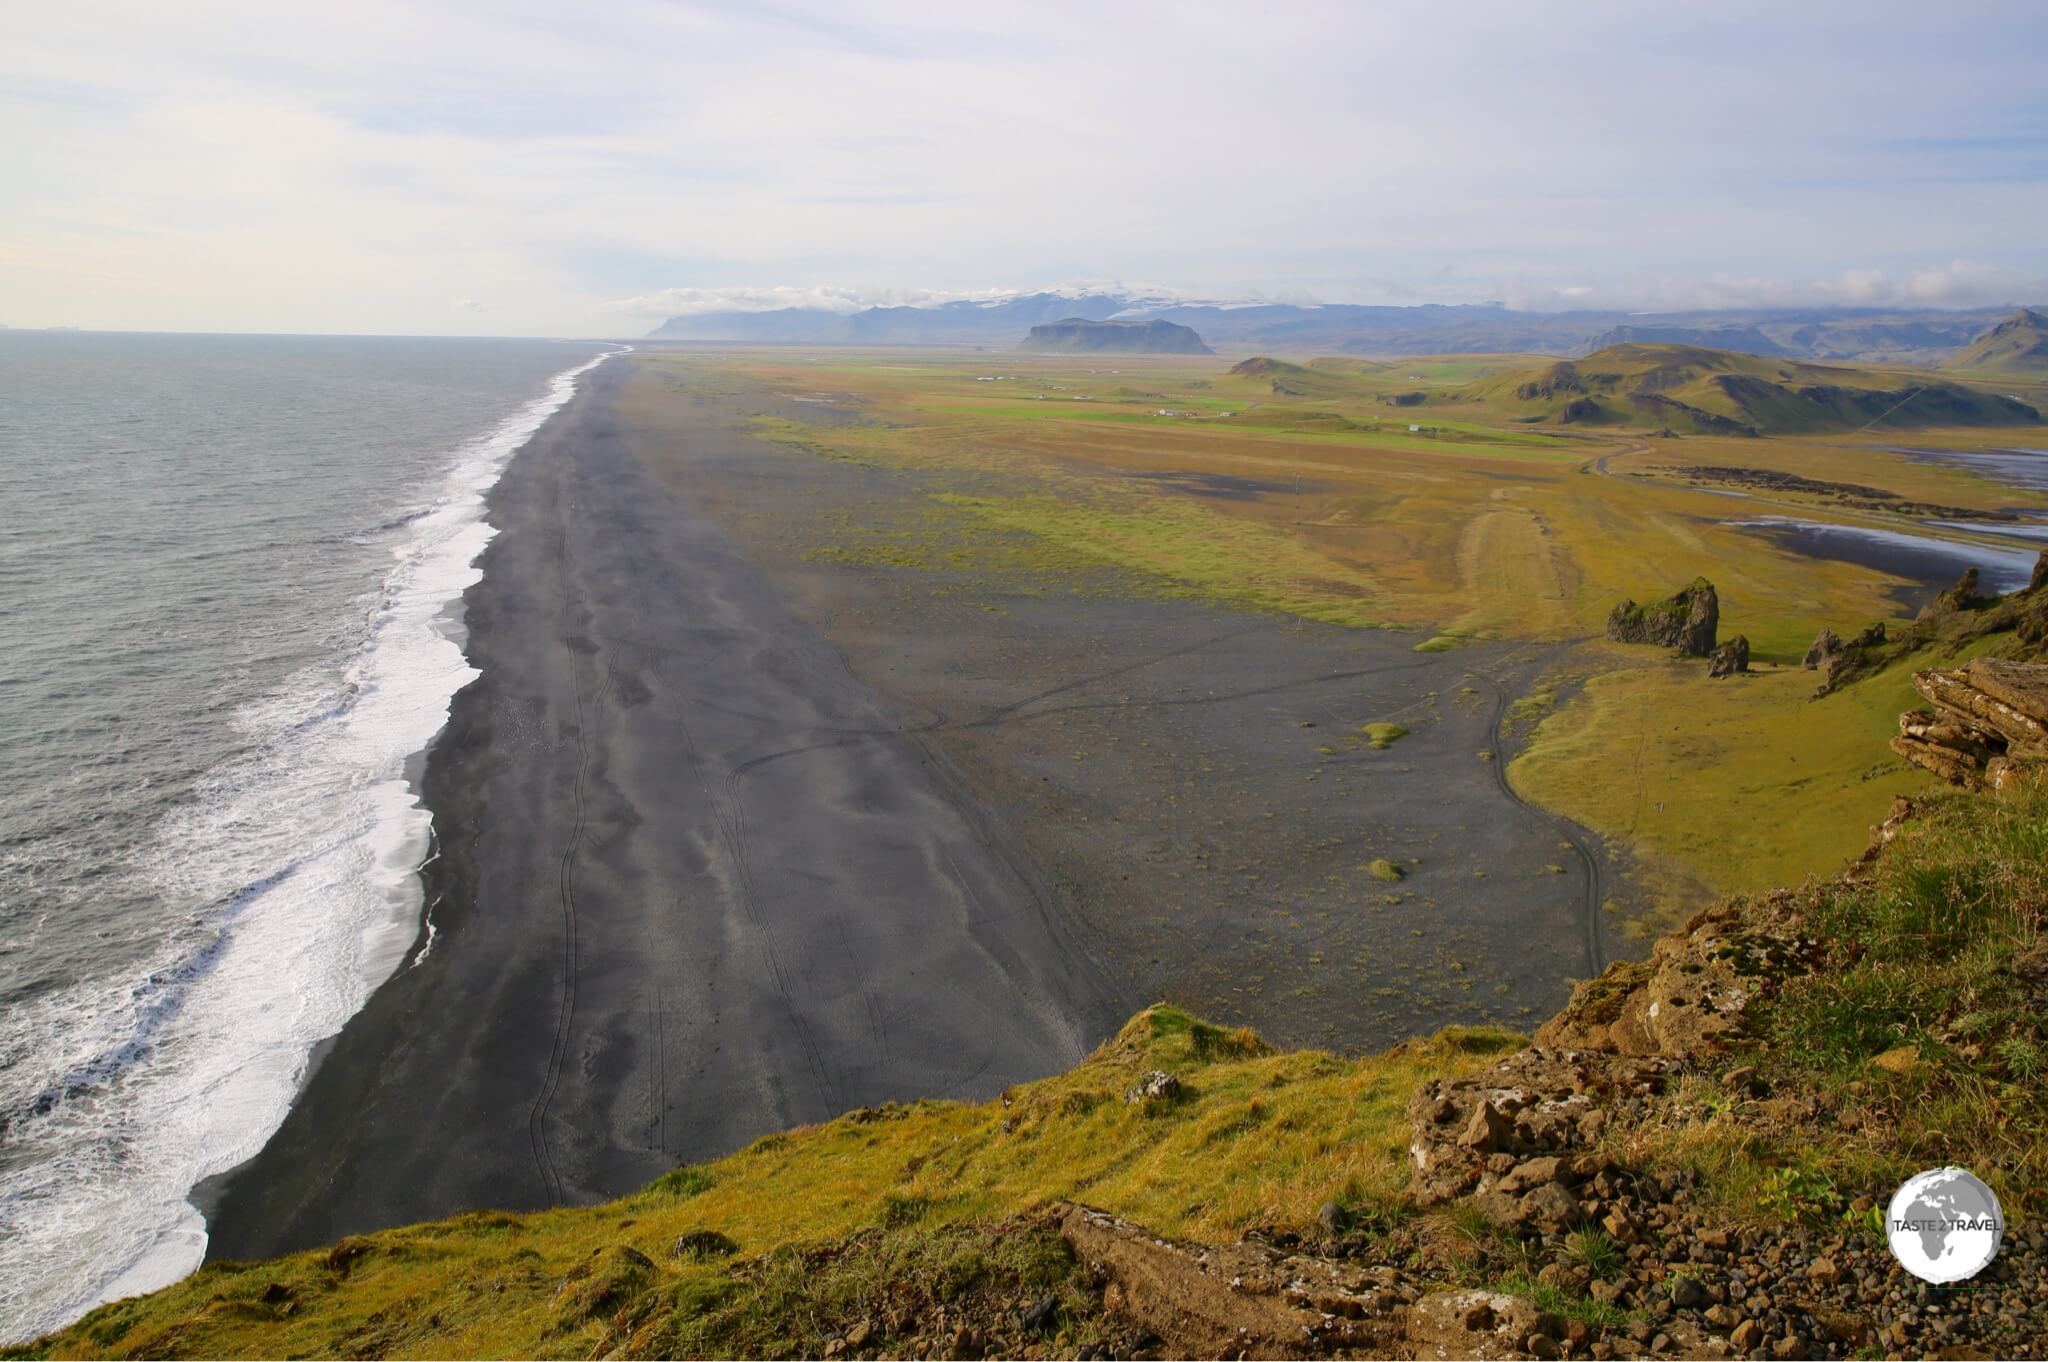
1748 340
1691 389
2017 345
960 323
1263 375
1854 334
1144 338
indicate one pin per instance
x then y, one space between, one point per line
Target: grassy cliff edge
1843 1036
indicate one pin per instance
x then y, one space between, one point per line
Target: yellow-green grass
1512 536
1381 736
1739 783
1253 1136
1700 390
1917 959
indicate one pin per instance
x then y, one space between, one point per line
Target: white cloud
237 165
1956 284
689 302
694 301
467 305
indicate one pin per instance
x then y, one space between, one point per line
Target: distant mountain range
1870 335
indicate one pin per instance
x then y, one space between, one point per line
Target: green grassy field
1477 526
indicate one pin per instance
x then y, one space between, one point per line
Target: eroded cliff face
1988 725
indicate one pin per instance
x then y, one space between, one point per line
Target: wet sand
735 836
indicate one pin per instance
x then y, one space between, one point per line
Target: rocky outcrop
1988 725
1154 1085
1961 618
1964 595
1827 646
1237 1300
1558 379
1686 621
1730 658
1834 659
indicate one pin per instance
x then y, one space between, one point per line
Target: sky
555 169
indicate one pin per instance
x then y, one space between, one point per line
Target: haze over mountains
1875 335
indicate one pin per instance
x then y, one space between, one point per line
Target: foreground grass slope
1904 1019
1251 1136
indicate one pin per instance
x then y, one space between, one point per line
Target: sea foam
309 847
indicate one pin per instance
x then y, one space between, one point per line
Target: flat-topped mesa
1988 728
1686 621
1154 337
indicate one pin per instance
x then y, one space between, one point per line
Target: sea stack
1686 620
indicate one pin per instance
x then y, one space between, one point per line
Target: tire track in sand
1596 957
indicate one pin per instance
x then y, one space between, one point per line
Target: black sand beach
734 837
697 882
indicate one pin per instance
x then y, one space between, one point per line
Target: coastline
253 880
731 837
629 971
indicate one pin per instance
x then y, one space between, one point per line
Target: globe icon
1945 1225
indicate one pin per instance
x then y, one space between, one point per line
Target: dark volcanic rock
1962 596
1151 338
1827 646
1686 621
1731 657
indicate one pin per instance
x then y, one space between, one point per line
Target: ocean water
230 583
